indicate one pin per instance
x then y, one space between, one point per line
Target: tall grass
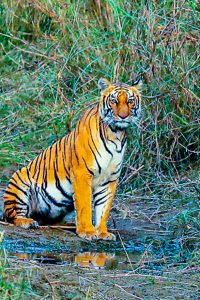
53 53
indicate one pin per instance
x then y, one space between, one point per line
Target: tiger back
80 171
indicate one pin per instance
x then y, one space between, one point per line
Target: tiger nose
123 115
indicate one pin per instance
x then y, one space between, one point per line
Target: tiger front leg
102 203
83 204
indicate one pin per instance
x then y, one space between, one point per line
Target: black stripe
113 143
122 146
66 171
59 144
50 150
99 193
107 182
105 103
99 202
93 139
36 161
70 148
137 103
39 167
10 210
87 113
118 170
28 175
9 202
17 187
102 202
51 199
74 146
30 166
78 127
124 141
44 182
107 111
103 140
65 142
7 209
55 163
59 187
14 180
16 196
87 167
42 194
56 156
99 167
17 173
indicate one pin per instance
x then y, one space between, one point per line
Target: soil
59 265
146 262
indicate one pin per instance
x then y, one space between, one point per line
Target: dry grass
54 52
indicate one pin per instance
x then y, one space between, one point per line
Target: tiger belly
52 203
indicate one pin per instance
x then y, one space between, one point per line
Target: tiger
80 171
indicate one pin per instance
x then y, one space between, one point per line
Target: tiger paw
88 235
107 236
26 223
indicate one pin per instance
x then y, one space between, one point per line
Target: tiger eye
113 100
131 100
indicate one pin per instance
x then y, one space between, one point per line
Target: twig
134 296
125 250
6 223
67 227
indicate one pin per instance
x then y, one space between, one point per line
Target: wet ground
144 263
148 261
60 245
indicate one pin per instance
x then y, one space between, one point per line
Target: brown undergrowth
52 55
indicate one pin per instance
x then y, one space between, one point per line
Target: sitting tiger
80 171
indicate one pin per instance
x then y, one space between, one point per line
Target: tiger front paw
107 236
88 235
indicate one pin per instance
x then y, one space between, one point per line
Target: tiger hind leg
17 205
26 223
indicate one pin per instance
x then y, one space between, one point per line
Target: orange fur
81 169
89 259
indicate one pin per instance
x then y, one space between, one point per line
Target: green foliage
54 53
13 283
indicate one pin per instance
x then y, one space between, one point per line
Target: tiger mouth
122 123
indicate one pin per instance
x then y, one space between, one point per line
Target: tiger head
120 104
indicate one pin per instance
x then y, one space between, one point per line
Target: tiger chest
109 164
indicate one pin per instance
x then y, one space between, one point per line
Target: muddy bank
59 265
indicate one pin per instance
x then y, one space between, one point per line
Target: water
149 251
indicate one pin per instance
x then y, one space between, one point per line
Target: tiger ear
103 84
137 83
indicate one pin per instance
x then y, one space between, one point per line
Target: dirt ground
59 265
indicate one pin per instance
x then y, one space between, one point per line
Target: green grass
52 55
14 282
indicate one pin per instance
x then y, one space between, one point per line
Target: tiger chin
80 171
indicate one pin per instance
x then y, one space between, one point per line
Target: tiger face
120 104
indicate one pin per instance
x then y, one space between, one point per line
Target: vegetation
52 55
